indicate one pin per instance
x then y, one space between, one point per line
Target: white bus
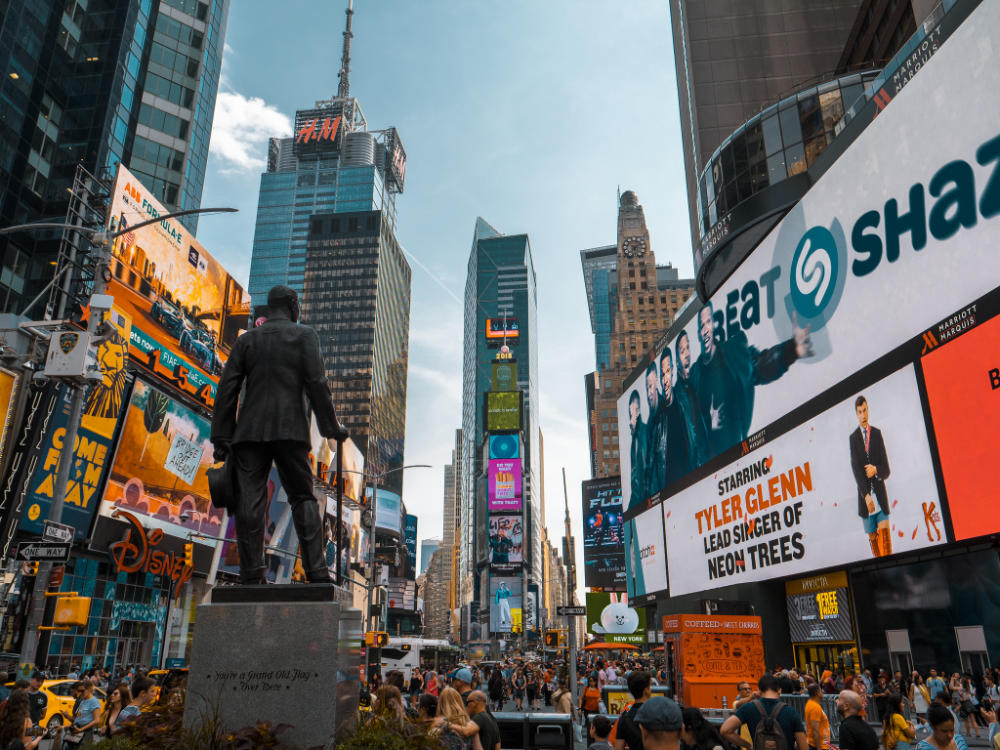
406 653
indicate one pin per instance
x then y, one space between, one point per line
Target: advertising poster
8 398
158 473
505 603
95 435
603 534
503 411
963 388
646 554
504 484
854 483
389 512
410 536
531 598
819 609
279 532
610 617
186 310
506 542
323 457
505 446
852 271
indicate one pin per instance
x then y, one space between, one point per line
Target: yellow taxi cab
59 710
167 681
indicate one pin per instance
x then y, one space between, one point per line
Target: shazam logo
815 266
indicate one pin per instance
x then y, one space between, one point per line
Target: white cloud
240 131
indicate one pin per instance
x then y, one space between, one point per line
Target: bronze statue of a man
280 364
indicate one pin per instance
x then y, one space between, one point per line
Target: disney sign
137 553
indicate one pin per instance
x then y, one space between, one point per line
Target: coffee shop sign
137 553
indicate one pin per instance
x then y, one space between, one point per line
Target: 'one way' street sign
571 611
44 551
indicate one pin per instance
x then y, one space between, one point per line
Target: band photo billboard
612 619
158 473
603 534
95 439
865 261
186 310
505 603
645 555
852 484
503 411
506 543
504 484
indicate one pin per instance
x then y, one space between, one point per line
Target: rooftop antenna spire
344 89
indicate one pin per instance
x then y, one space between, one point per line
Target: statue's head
284 298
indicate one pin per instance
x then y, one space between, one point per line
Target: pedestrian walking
698 733
943 736
855 733
518 683
590 699
454 726
816 720
920 698
496 689
898 732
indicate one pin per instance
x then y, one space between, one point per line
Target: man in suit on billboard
656 434
728 371
685 391
281 367
637 451
871 468
682 451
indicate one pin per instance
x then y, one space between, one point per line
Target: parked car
168 316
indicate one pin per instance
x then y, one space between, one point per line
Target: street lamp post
373 480
101 241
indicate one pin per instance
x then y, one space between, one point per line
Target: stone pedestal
285 654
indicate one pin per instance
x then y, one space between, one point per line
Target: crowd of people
23 708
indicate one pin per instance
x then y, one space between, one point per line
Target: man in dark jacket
688 397
870 466
281 367
728 371
639 466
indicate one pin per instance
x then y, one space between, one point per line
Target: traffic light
30 569
189 554
551 638
376 638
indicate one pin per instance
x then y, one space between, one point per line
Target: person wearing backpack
626 732
772 724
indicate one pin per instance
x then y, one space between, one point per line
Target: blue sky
528 113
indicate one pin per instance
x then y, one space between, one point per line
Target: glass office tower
97 83
500 282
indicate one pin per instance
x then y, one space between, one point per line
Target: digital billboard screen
500 329
388 511
755 399
186 311
410 535
503 411
505 603
503 375
504 484
612 619
505 446
603 534
95 439
645 555
158 473
854 483
853 271
506 542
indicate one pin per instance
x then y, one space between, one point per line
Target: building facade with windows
97 84
632 302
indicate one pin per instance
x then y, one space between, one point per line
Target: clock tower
642 307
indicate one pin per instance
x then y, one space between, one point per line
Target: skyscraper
326 221
129 82
734 57
499 287
632 302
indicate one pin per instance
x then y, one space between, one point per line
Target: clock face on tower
634 246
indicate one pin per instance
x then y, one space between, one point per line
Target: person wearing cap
461 680
280 365
660 721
